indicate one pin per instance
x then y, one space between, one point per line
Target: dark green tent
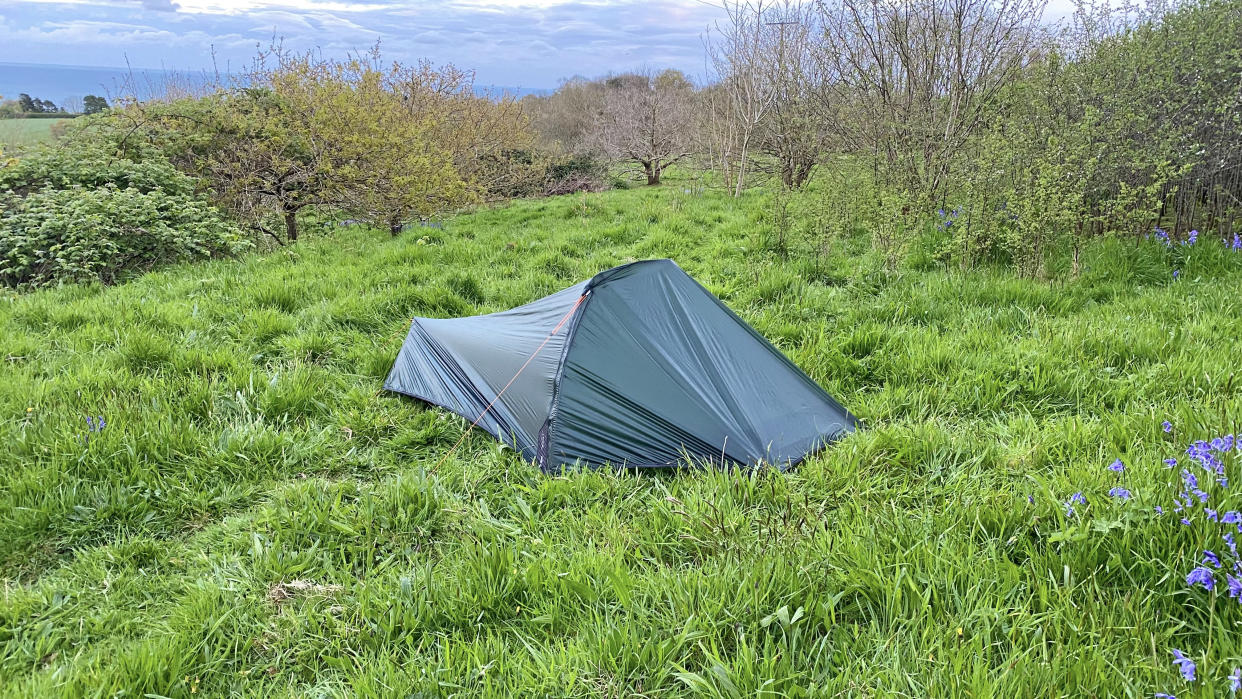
638 366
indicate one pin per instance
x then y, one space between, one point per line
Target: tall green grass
257 517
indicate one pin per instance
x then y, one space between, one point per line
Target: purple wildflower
1119 493
1168 426
1189 478
1210 557
1177 273
1201 576
1235 680
1117 466
1159 510
1235 586
1237 242
1075 499
1194 237
1185 521
1184 665
1211 514
1162 695
1170 463
1231 517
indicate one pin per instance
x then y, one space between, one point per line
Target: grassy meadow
256 517
26 132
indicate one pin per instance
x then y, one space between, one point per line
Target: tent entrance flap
652 369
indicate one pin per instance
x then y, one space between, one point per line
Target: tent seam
543 447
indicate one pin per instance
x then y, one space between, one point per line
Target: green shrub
73 214
105 234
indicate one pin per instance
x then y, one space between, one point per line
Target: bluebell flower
1162 695
1075 499
1194 236
1235 587
1235 680
1177 273
1184 665
1211 514
1170 463
1117 466
1212 558
1233 546
1203 496
1185 521
1237 242
1030 499
1159 510
1231 517
1168 426
1201 576
1120 493
1190 480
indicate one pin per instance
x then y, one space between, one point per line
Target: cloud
160 5
527 43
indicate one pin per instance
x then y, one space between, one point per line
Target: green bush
105 234
73 214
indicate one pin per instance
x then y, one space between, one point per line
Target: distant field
25 132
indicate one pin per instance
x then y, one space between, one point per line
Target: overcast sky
517 43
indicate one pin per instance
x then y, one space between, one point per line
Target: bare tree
646 119
566 119
921 76
736 55
793 132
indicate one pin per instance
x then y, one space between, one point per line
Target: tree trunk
741 167
394 227
291 225
653 172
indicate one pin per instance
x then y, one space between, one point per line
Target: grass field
26 132
256 516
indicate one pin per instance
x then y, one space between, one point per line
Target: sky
516 43
529 44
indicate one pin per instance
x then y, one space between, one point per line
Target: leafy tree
93 104
302 132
